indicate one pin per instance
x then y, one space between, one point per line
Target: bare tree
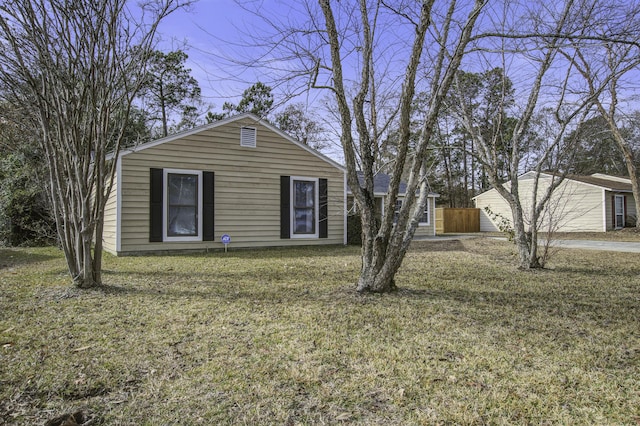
611 58
385 245
569 109
77 66
373 58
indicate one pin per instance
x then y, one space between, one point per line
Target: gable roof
381 183
222 122
600 180
610 183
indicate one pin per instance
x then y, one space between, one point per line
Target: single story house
239 177
593 203
381 181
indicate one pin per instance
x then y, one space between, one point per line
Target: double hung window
619 211
304 207
424 220
183 207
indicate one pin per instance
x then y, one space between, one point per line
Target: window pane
304 193
182 212
619 204
304 208
304 221
183 190
425 215
182 221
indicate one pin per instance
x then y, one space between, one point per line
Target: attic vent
248 137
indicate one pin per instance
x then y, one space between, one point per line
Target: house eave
569 178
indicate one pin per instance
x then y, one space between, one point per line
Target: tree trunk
375 275
381 259
373 251
522 239
629 160
635 185
97 254
465 202
384 246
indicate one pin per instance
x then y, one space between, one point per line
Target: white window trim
427 208
165 207
316 204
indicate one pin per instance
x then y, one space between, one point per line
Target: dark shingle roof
603 182
381 183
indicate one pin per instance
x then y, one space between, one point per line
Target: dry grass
279 337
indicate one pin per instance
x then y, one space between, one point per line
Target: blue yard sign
226 239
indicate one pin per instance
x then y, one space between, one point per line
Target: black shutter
285 207
207 206
155 205
324 208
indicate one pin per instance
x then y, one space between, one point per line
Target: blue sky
205 32
213 32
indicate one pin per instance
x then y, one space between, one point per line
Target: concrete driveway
620 246
628 247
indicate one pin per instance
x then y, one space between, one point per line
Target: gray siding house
426 226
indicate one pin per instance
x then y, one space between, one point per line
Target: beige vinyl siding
577 207
110 220
574 207
497 205
247 187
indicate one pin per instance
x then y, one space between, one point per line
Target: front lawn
280 337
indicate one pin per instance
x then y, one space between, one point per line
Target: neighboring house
594 203
239 176
381 181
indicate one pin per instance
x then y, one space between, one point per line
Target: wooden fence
452 220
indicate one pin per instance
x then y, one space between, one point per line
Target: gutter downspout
344 208
432 212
